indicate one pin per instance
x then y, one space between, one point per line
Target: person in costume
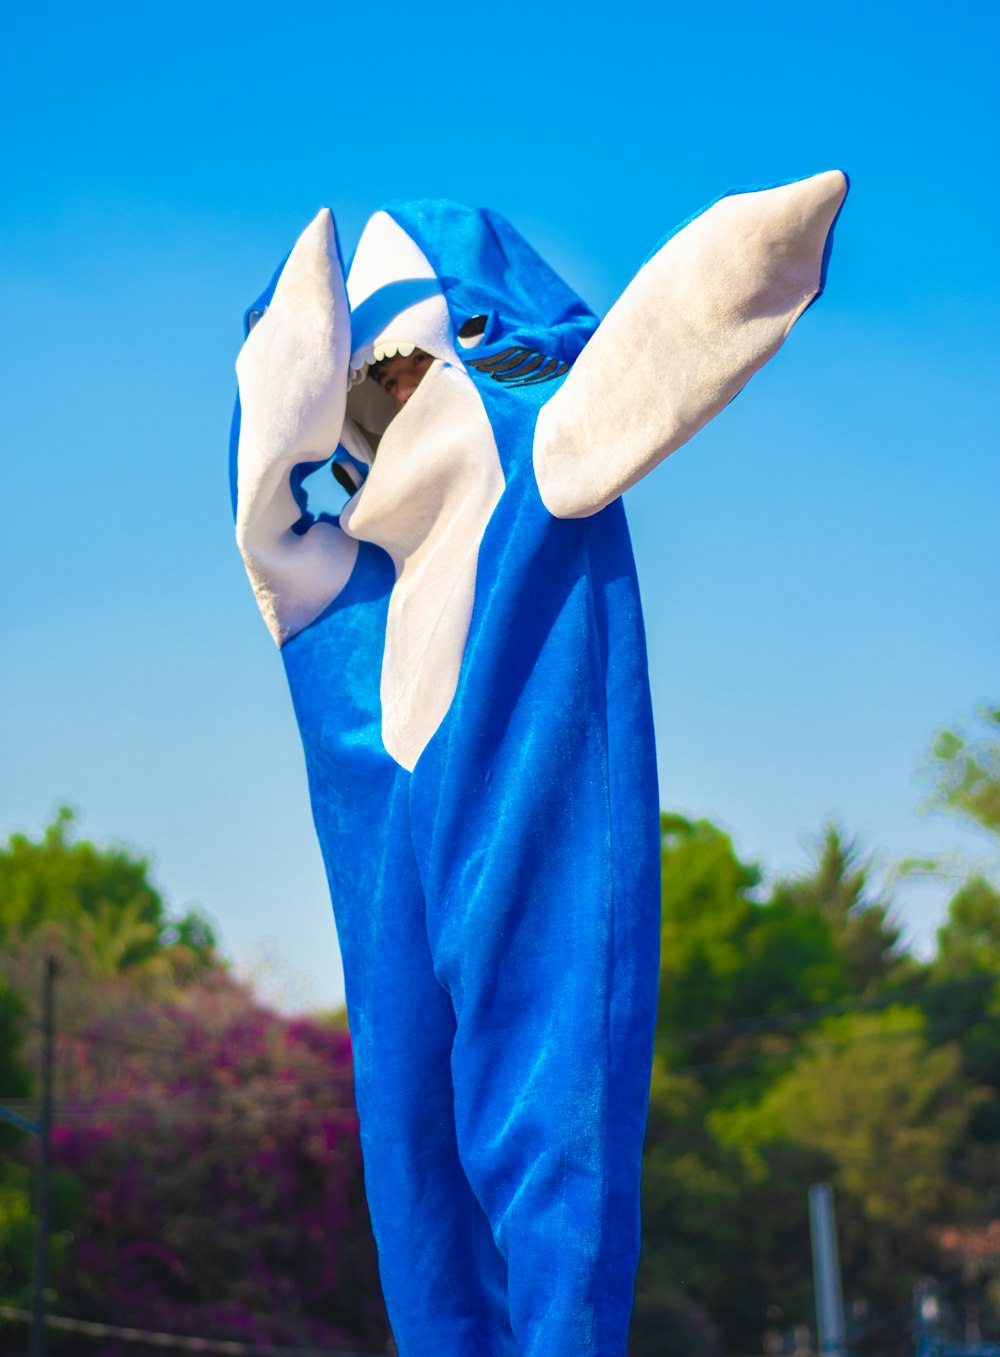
464 645
400 376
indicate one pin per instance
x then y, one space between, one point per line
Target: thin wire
871 1325
692 1035
104 1039
177 1340
164 1110
968 1018
160 1088
762 1057
890 1159
261 1089
680 1036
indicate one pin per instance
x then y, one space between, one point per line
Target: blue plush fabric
487 268
498 908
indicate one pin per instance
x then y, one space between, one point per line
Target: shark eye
343 477
472 332
254 316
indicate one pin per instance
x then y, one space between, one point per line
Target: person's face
401 376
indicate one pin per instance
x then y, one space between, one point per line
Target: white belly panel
430 493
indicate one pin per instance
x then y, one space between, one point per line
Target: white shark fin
293 374
698 320
397 305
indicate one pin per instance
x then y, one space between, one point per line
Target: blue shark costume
464 645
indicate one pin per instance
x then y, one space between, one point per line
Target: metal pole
826 1272
37 1336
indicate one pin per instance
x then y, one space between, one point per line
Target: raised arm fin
293 379
708 309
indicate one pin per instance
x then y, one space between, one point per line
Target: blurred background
819 570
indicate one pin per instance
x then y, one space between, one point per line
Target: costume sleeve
708 309
293 379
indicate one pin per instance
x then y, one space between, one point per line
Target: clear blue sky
820 566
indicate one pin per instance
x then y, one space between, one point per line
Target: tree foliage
211 1178
968 942
208 1174
223 1181
781 1061
860 919
885 1110
16 1204
100 904
964 770
964 773
725 955
213 1147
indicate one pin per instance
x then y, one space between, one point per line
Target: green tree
860 919
98 911
15 1081
968 943
964 999
18 1182
964 770
736 969
689 1192
889 1114
16 1206
728 960
755 1096
100 904
724 1235
962 773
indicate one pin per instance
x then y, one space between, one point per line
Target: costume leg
443 1278
537 840
551 1069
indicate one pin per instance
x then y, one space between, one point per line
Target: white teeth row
390 349
363 359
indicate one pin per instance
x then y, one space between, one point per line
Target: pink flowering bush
207 1164
216 1147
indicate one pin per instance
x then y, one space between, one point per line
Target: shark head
452 279
462 285
709 307
707 310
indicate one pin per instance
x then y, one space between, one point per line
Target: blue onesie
464 645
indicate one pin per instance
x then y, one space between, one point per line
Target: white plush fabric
427 500
293 374
699 319
370 407
386 255
353 440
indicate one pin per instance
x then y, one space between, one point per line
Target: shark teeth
361 361
389 348
377 353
